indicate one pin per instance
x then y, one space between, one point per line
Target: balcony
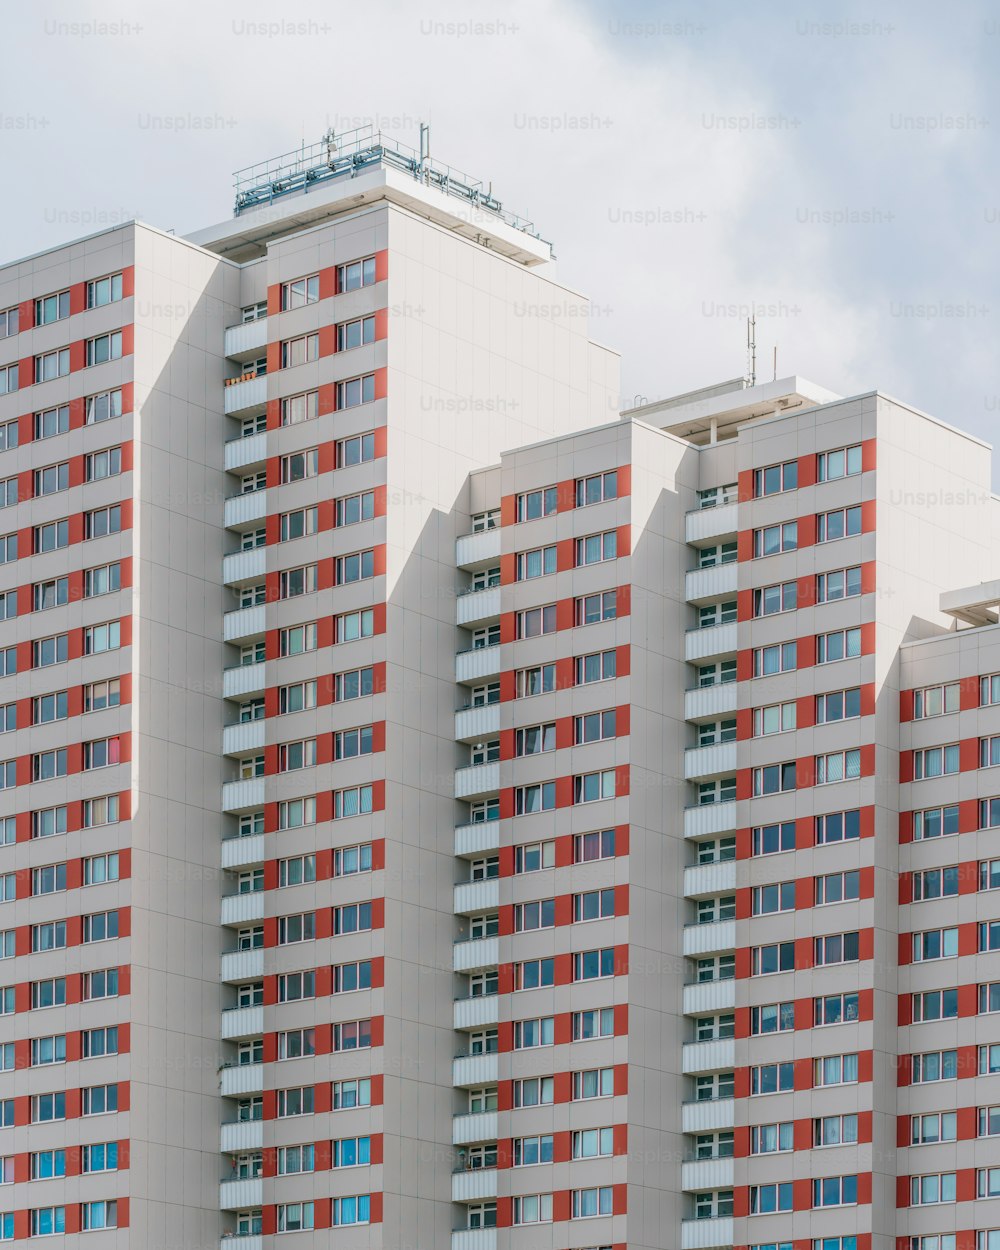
718 1055
243 624
477 724
239 966
243 852
244 737
705 585
709 818
473 1071
477 1013
246 397
246 337
242 1022
704 763
708 1116
705 526
472 897
243 679
710 702
245 453
241 1135
706 1234
474 1185
700 1175
243 510
711 643
476 954
477 1126
703 879
472 550
244 566
477 607
240 1079
240 909
247 794
474 1239
241 1195
709 939
705 998
477 780
472 840
249 1241
477 665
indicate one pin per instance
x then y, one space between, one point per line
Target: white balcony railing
476 954
704 585
706 1234
241 1195
471 840
477 724
240 909
246 337
705 998
476 1013
240 1079
476 896
473 1071
709 818
242 453
704 763
708 1116
708 525
244 397
709 702
478 606
243 852
709 939
243 623
241 1135
243 737
710 643
243 679
242 795
475 549
479 664
475 1127
718 1055
242 1022
474 1239
236 966
477 780
240 510
703 879
244 566
701 1175
474 1185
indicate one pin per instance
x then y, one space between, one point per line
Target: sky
832 168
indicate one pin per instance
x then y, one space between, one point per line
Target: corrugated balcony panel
471 1071
706 998
706 526
477 724
476 954
241 1135
472 840
249 1242
241 1195
473 1185
701 1175
477 780
477 665
709 818
242 510
710 702
246 736
711 643
707 585
478 606
243 795
243 852
472 550
718 1055
708 1116
477 1013
477 1126
247 336
244 398
242 1022
709 939
706 1234
243 679
240 1079
703 879
240 567
704 763
240 909
474 1239
472 897
243 624
239 966
245 453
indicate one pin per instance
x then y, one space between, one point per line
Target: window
298 928
587 1203
836 948
101 753
841 523
936 700
56 364
780 658
941 1126
357 1035
352 859
357 450
775 479
44 937
354 801
841 584
845 462
103 407
592 787
773 539
347 1094
356 391
773 839
536 798
295 582
292 1160
935 761
766 1199
716 674
296 871
771 1078
352 918
102 811
52 479
842 644
936 822
590 846
936 883
353 976
292 1102
835 1070
592 965
355 275
717 614
103 521
97 869
537 563
596 547
48 880
594 727
52 536
838 887
48 707
9 322
774 957
8 548
102 1214
838 705
45 1164
593 1083
100 1099
838 766
767 899
299 351
588 1025
357 333
298 293
600 666
934 1188
537 503
355 567
594 905
101 580
772 1018
103 464
529 1151
538 915
48 1050
533 622
101 926
774 778
355 508
47 1221
835 1130
103 348
533 974
297 524
835 1191
768 600
52 308
102 984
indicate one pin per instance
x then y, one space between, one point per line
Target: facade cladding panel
441 810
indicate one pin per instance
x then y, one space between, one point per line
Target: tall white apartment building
441 811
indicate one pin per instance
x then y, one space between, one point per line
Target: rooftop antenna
775 362
330 139
752 349
425 145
